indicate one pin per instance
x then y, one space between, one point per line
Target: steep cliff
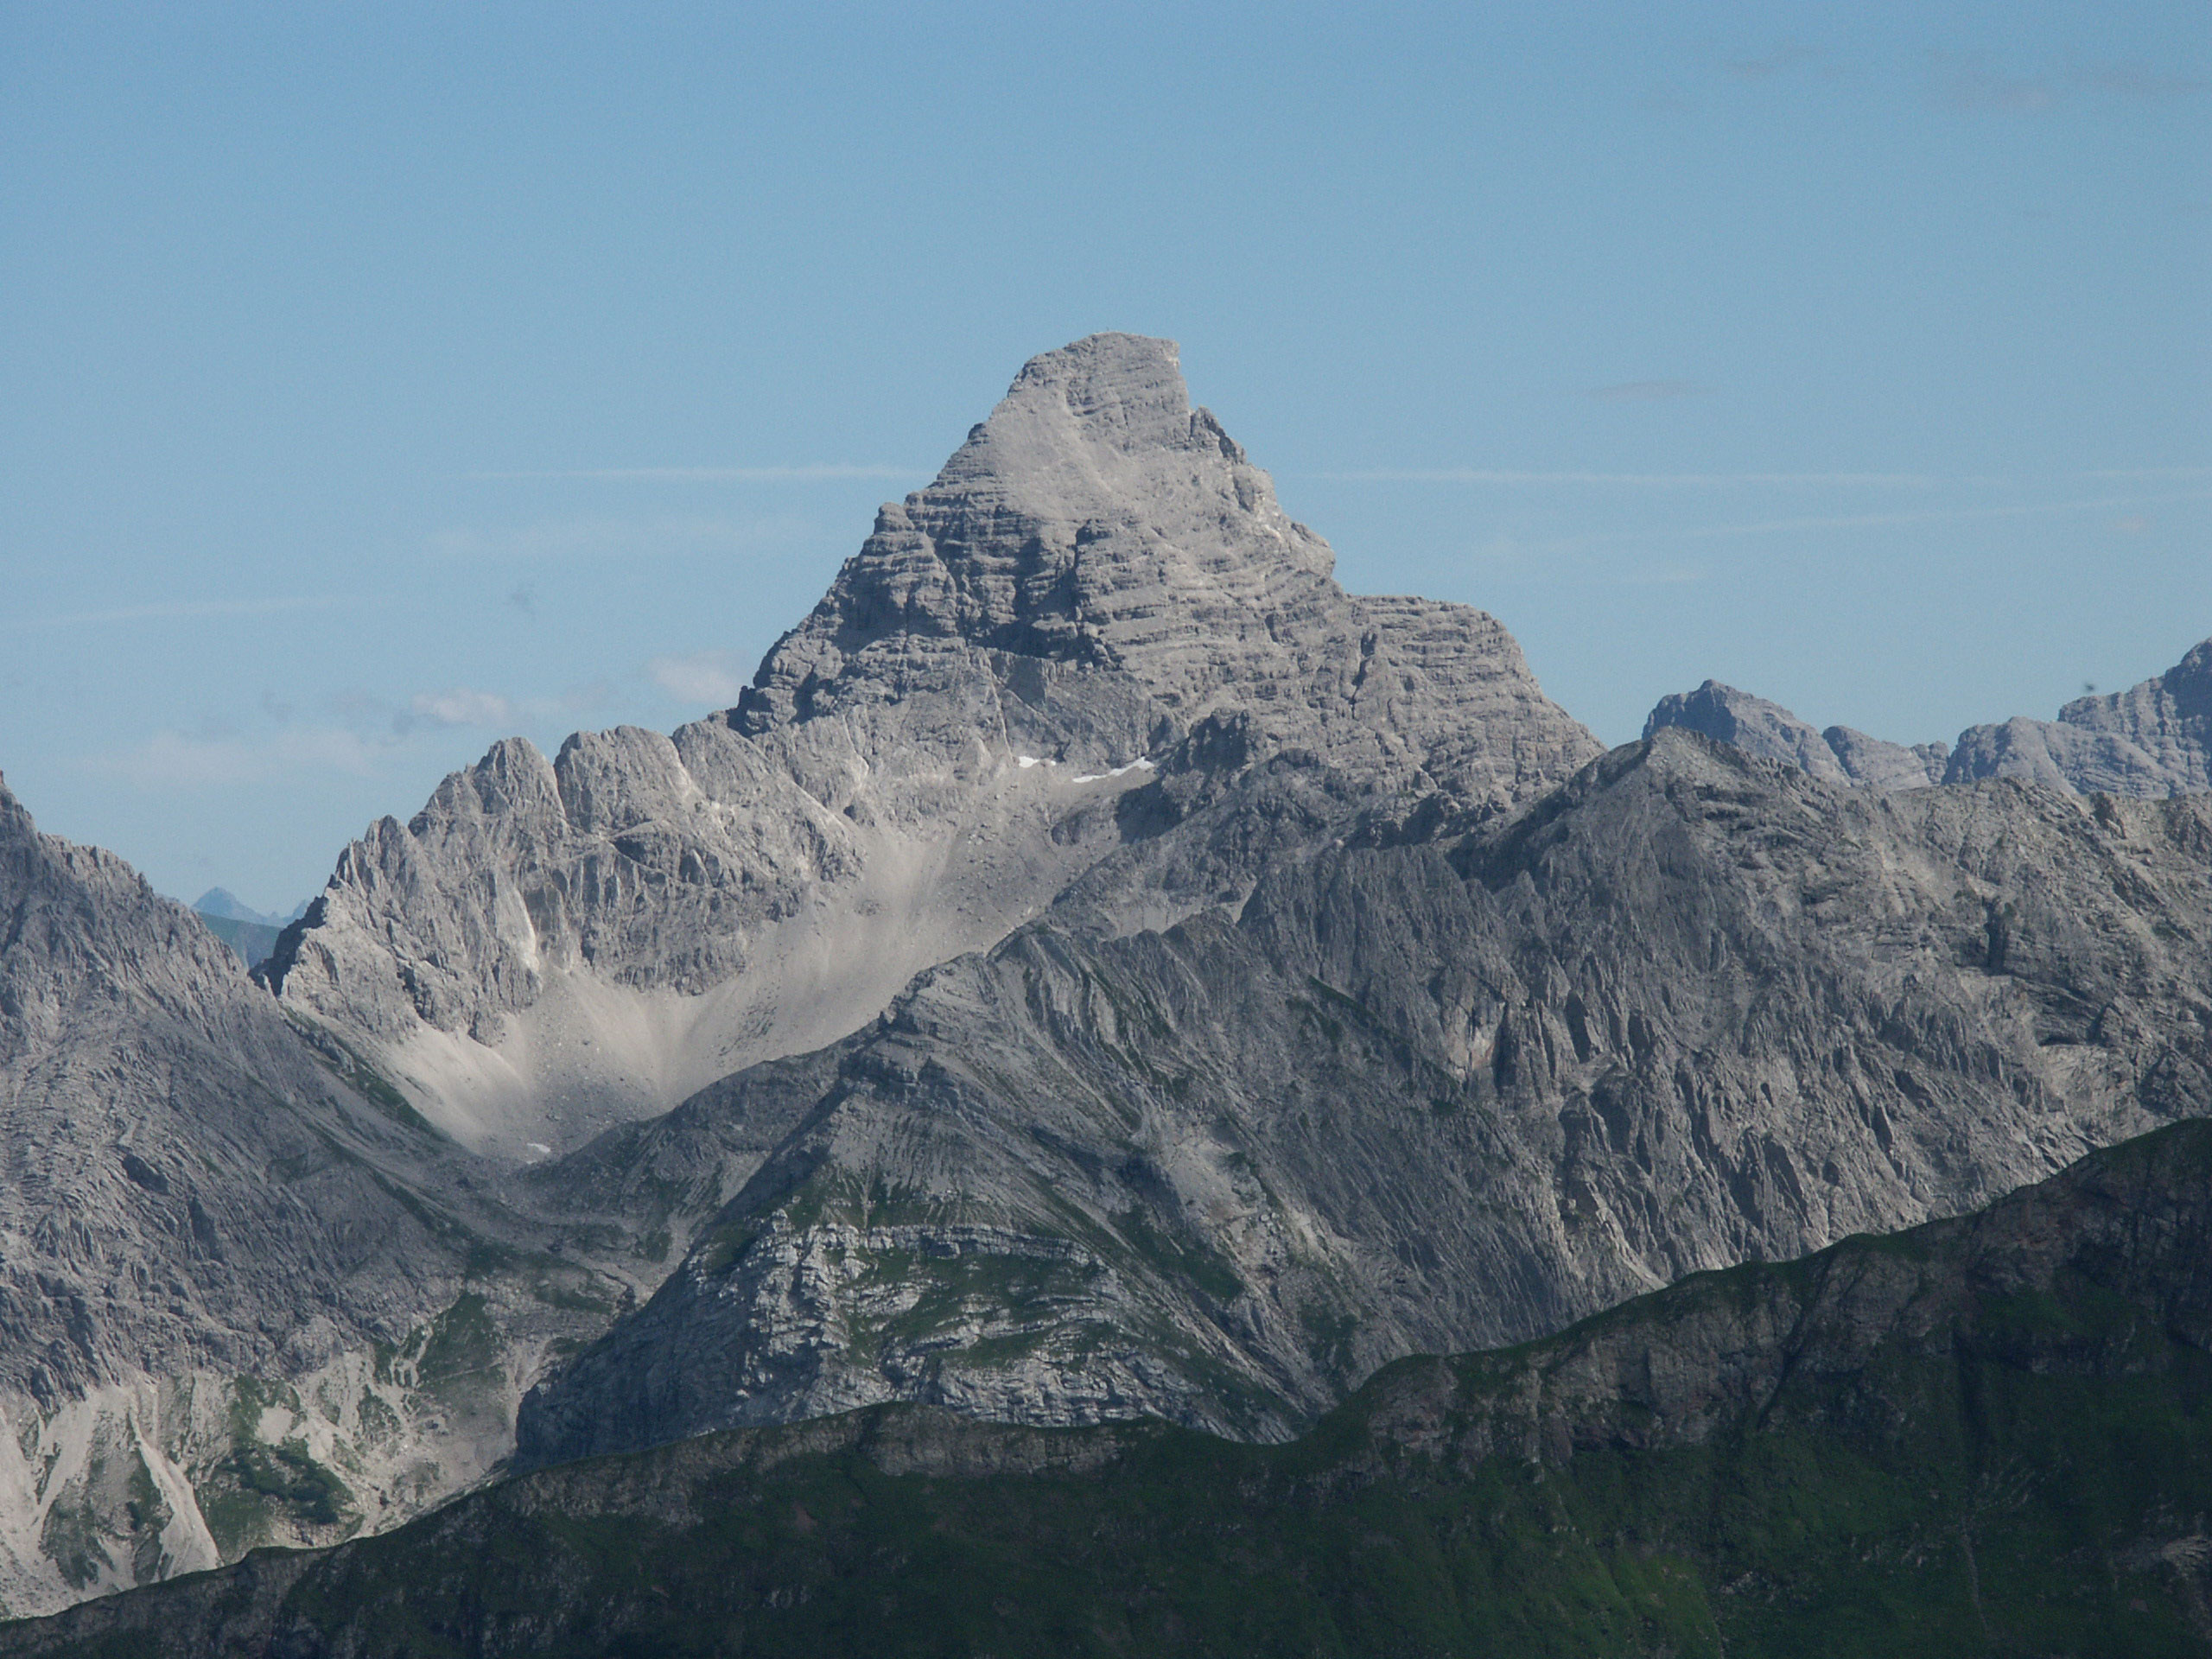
245 1294
1097 585
1454 1081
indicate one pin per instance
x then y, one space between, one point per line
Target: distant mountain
222 902
2154 740
1984 1436
1099 590
1771 732
252 933
1100 968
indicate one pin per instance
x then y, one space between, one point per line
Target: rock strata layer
1098 585
2152 739
229 1259
1451 1082
1983 1436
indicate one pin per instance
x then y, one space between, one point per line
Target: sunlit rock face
1098 589
2153 739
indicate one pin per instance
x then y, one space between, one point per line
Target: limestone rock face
1454 1081
1098 585
2154 739
246 1296
2063 1326
1771 732
178 1164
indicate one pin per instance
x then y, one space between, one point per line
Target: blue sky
383 379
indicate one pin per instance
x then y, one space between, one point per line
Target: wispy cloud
1789 54
172 760
590 538
183 610
820 472
467 705
2136 80
1975 81
1510 476
463 706
1647 480
708 676
1876 520
1648 391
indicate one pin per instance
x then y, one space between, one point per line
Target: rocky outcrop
1772 733
230 1257
1099 584
1979 1437
1454 1081
2154 739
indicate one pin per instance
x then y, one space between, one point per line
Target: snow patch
1138 764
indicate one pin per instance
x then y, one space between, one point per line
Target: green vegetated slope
1987 1435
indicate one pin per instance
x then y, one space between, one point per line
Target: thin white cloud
1730 480
1979 88
820 472
709 677
1975 82
1648 391
466 705
1872 520
173 760
1789 54
601 538
181 610
1646 480
463 706
2132 79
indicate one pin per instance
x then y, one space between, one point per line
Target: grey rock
2154 739
232 1261
1879 764
2093 1282
179 1166
1451 1083
1771 732
1098 583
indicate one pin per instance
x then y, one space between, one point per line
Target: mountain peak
1108 555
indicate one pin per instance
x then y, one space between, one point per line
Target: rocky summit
1098 589
1099 970
2153 739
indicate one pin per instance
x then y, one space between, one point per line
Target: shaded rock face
1098 586
1771 732
1986 1429
246 1296
2153 739
178 1164
1451 1082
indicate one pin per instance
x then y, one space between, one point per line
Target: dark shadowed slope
1988 1436
1439 1086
